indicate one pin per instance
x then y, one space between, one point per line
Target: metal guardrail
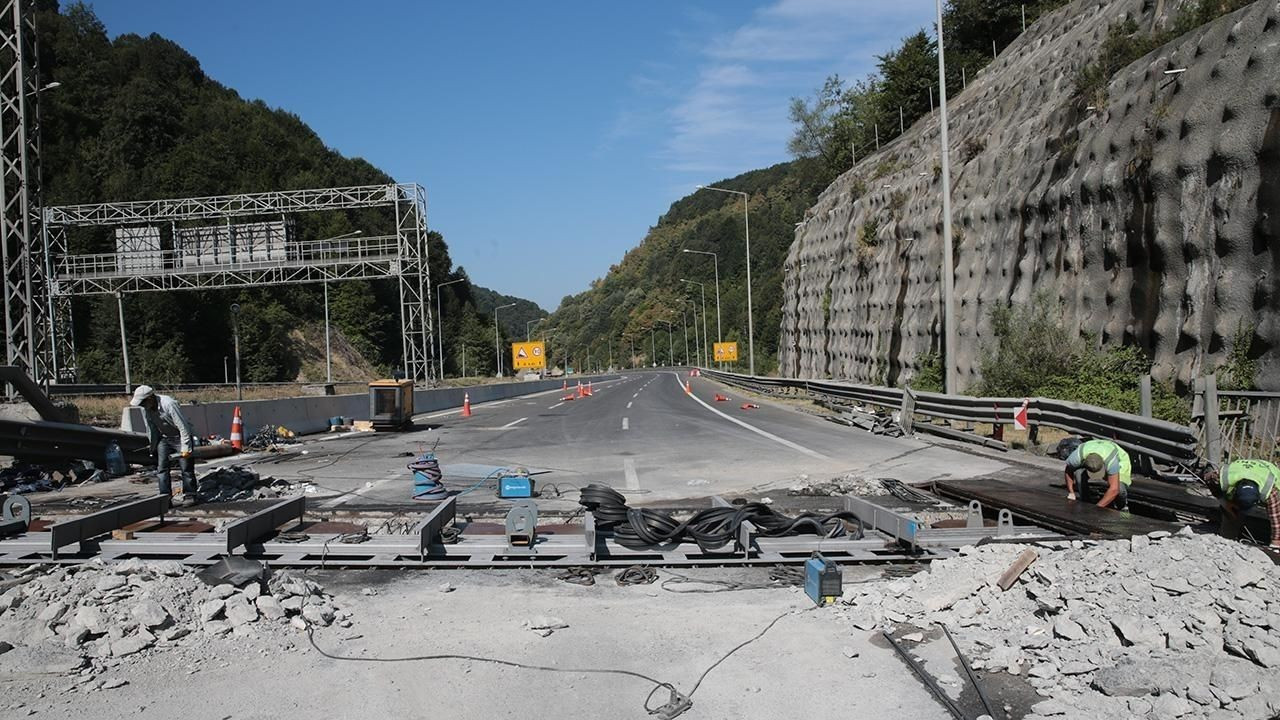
1156 439
1233 424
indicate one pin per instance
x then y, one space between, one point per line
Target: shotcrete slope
1153 217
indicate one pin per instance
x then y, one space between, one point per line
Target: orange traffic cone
466 404
565 386
580 388
721 398
688 387
237 431
589 393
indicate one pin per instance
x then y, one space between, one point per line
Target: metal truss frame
404 257
22 255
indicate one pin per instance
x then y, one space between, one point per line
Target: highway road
641 434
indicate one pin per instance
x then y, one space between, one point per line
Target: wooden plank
1019 566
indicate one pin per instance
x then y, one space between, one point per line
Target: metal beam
428 529
104 521
252 529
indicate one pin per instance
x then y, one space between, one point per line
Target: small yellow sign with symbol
726 352
528 356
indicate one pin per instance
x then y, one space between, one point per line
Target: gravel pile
846 485
226 484
90 619
1162 626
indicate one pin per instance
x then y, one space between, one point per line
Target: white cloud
733 116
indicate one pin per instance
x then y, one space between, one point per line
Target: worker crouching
1240 486
169 433
1099 471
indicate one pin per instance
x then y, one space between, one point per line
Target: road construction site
406 605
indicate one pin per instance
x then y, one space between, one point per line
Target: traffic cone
589 393
237 431
565 386
580 388
721 398
688 387
466 404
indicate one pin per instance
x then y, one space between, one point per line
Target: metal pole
706 347
464 359
1024 17
931 96
684 318
901 121
948 274
751 333
235 329
877 129
124 344
328 354
671 353
226 370
1144 395
653 351
440 322
497 350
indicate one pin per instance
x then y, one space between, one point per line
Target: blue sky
549 136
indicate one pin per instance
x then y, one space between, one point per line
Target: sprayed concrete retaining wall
311 414
1152 216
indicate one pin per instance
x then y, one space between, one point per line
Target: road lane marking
513 423
628 404
629 471
553 407
763 433
353 493
625 424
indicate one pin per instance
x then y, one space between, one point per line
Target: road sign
726 352
528 356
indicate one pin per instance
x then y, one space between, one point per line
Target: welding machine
515 484
823 581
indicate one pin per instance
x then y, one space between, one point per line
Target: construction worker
1242 485
1093 462
169 433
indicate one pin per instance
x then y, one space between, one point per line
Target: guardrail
1156 439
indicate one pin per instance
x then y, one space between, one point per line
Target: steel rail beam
250 530
102 522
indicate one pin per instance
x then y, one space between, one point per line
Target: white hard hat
140 393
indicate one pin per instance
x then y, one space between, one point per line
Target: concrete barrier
311 414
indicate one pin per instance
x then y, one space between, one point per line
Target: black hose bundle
712 528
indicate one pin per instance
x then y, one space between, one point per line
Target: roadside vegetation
1034 354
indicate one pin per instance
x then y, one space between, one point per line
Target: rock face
1154 218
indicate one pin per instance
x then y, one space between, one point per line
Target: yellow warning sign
528 356
726 352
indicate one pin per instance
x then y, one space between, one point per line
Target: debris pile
88 619
22 477
270 437
845 485
1160 625
234 482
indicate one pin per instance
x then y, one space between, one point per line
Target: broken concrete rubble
1110 629
89 618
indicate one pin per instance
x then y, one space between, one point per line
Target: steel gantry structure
22 255
221 242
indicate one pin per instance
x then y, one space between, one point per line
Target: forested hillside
137 118
512 320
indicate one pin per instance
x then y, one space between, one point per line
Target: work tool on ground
515 484
427 478
391 404
823 581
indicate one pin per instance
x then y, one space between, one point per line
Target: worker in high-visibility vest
1242 484
1094 462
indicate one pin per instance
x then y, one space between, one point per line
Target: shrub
929 373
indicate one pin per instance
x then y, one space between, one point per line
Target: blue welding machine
823 581
515 485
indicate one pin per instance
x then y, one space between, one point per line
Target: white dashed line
628 405
553 407
625 424
513 423
629 471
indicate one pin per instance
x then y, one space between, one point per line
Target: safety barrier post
1212 430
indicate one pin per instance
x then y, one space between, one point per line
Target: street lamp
527 325
706 356
671 353
716 260
328 353
684 319
497 342
746 218
948 273
440 320
235 330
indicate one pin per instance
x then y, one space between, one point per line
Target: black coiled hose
711 529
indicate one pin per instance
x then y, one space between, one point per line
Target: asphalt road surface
641 434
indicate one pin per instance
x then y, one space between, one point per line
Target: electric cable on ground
677 704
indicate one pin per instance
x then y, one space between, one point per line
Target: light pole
706 355
497 342
684 318
529 324
440 321
124 343
235 331
716 260
653 352
948 276
697 343
328 352
746 218
671 353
